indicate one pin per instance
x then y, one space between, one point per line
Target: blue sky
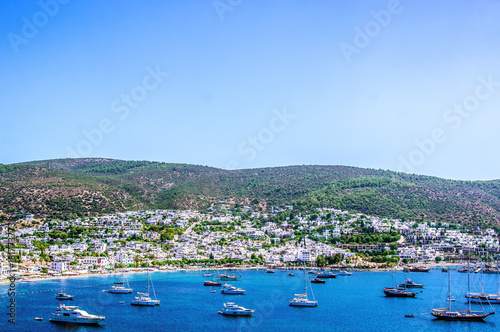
400 85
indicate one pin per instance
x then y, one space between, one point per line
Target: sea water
346 303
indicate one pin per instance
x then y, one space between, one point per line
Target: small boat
344 273
206 274
317 281
122 302
38 319
326 275
211 283
410 284
231 309
419 269
212 291
231 290
312 272
64 296
291 274
444 269
410 316
269 271
74 315
227 277
283 270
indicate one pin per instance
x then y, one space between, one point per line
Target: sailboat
484 298
227 277
301 300
143 299
119 287
459 315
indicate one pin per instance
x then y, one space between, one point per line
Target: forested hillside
91 186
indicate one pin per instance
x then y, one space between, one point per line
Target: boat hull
461 316
304 304
63 320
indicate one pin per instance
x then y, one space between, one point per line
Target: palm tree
137 260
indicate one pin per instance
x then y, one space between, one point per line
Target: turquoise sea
347 303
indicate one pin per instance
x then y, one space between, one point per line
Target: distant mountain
65 187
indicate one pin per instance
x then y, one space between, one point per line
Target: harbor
345 303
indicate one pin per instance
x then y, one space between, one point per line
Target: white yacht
74 315
143 299
301 301
231 309
119 288
230 289
344 273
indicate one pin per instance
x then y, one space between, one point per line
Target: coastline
38 277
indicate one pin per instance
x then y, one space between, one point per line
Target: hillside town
170 239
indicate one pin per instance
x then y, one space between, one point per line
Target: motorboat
344 273
326 275
419 269
227 277
207 274
74 315
269 271
231 309
408 283
399 292
38 319
317 281
211 283
64 296
230 289
291 274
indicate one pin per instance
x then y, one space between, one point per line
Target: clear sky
401 85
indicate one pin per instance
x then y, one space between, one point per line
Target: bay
346 303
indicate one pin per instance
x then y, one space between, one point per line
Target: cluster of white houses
108 245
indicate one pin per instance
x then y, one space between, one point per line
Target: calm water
351 303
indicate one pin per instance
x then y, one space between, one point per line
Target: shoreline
226 268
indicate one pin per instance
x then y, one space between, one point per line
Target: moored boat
74 315
408 283
231 309
211 283
231 290
318 281
419 269
326 275
64 296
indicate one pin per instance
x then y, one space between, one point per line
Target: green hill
90 186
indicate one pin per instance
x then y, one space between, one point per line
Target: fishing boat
419 269
231 290
317 281
143 299
231 309
74 315
326 275
64 296
301 300
450 314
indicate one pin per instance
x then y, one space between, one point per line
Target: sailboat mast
468 282
449 289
